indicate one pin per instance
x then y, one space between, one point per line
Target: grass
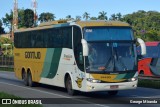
149 83
6 69
5 96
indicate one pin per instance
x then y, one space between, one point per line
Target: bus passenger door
79 59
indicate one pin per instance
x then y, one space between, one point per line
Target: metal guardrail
6 61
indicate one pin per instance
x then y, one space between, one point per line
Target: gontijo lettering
32 55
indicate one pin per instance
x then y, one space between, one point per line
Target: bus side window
67 37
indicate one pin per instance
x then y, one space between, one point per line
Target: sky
62 8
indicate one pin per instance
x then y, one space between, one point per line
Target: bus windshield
110 56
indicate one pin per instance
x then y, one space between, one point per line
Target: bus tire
24 77
30 82
112 93
69 86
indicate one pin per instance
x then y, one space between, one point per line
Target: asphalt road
59 97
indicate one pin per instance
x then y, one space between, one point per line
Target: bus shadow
88 97
55 88
78 93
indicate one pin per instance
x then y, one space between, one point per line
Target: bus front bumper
91 87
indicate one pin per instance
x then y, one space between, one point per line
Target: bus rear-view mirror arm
85 47
143 46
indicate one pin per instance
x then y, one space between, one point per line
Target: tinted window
47 38
107 33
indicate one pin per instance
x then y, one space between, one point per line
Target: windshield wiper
121 62
108 62
112 59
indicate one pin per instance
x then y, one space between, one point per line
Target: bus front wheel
69 86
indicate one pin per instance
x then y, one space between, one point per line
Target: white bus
87 56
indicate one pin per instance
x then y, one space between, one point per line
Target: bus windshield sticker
88 30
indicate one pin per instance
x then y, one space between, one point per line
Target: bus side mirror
143 46
85 47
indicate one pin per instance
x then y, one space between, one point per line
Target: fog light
90 87
132 79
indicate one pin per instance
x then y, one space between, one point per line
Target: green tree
69 17
28 18
86 16
21 21
102 15
152 35
119 16
7 20
9 50
145 24
78 18
1 28
25 18
45 17
93 18
113 17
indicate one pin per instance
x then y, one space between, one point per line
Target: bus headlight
93 80
132 79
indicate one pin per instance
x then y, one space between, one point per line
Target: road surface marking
55 94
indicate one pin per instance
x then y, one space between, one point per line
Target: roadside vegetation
6 69
5 96
6 47
149 83
146 24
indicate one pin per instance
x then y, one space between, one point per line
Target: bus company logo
79 82
32 55
67 57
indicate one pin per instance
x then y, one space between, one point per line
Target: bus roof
60 23
152 43
101 23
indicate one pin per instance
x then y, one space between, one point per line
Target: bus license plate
113 86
